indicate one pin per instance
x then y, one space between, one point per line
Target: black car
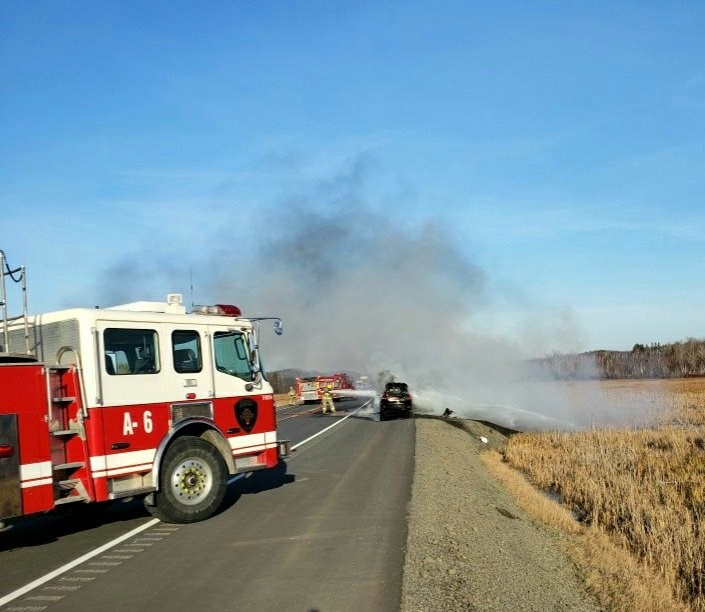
396 401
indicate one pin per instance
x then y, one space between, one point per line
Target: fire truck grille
179 412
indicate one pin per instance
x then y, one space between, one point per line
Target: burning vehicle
395 401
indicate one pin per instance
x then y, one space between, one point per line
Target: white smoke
363 290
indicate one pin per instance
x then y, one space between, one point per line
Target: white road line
65 568
329 427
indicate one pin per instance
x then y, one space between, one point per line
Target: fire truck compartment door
133 358
187 359
10 492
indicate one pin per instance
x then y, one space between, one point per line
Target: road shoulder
470 547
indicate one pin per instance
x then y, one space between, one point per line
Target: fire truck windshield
231 355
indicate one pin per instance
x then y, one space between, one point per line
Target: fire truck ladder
18 275
68 446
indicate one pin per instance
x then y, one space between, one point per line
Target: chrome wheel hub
191 481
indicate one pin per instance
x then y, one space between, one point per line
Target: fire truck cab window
186 347
131 351
231 355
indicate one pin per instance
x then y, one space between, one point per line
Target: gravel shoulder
470 547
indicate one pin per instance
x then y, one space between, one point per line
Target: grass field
638 492
281 399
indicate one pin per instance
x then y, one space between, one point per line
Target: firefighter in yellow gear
327 400
292 396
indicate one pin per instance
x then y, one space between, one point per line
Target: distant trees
675 360
281 380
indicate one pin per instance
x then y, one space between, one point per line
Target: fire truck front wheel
192 483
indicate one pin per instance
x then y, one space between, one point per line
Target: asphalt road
324 531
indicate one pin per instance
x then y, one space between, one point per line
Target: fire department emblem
246 414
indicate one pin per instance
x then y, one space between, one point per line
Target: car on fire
395 401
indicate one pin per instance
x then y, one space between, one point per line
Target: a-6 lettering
147 420
129 426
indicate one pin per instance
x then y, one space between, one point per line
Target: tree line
281 380
673 360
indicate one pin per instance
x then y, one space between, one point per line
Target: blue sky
560 144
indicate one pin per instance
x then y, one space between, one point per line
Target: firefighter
292 396
327 401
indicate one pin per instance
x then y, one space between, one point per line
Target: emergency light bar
227 310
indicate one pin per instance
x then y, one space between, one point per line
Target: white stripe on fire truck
135 461
252 449
103 463
35 483
145 467
35 474
263 440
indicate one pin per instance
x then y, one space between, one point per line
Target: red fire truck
142 399
337 382
310 389
307 389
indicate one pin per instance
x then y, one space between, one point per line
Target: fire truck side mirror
278 327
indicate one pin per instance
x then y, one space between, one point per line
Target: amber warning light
227 310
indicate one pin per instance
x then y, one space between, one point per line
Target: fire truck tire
193 481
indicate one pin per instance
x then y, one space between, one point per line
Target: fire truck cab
142 399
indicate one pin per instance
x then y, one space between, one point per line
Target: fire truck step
71 498
68 466
59 400
60 368
65 432
68 491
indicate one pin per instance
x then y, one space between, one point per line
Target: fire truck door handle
234 430
6 450
119 445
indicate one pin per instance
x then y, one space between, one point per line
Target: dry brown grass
281 400
611 573
640 491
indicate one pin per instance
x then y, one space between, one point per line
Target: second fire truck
310 389
139 400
